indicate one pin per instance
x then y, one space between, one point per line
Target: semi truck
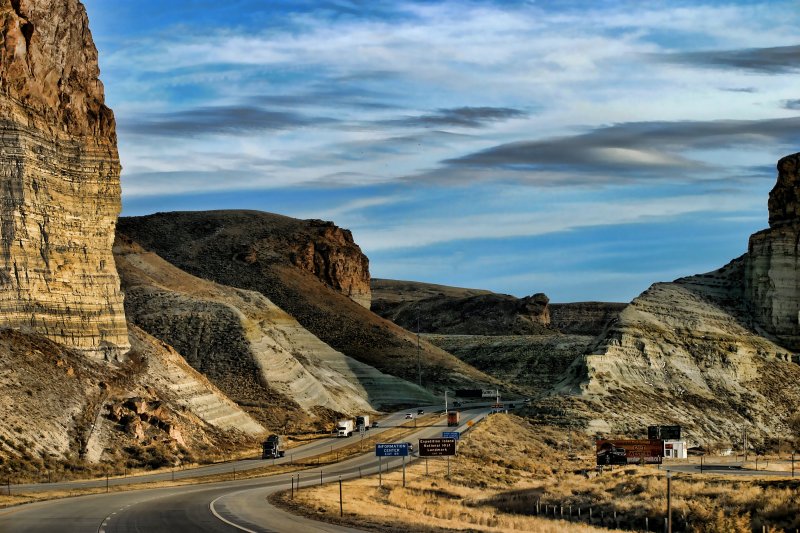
453 418
344 428
273 447
363 421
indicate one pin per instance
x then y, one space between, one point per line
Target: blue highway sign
451 435
391 450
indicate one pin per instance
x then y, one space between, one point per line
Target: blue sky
581 149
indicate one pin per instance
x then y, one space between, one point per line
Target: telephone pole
419 362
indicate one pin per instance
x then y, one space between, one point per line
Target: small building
675 449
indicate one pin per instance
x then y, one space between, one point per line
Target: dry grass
507 467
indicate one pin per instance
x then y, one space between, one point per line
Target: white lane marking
220 517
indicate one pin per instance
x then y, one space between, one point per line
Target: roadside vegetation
513 476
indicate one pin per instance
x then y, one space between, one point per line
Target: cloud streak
220 120
772 60
619 153
460 117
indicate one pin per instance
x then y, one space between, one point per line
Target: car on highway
409 415
420 411
410 447
457 404
375 423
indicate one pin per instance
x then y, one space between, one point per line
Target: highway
727 469
231 506
304 451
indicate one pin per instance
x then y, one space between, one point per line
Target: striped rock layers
772 282
59 181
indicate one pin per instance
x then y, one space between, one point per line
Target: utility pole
669 502
445 402
419 362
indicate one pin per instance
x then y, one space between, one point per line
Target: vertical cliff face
59 181
772 283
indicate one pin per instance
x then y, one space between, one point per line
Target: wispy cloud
619 153
793 104
219 120
461 117
772 60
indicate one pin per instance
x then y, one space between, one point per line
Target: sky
584 149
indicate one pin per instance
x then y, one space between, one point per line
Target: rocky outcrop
772 279
584 318
251 349
248 250
456 311
59 179
59 405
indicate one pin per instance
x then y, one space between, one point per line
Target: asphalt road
215 507
297 453
727 469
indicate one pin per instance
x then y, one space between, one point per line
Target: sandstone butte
60 181
771 282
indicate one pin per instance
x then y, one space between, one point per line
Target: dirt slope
59 405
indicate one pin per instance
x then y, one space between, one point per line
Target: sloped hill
248 250
58 405
256 353
457 311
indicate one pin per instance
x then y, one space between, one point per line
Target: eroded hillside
251 349
247 250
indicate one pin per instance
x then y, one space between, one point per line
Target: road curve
231 506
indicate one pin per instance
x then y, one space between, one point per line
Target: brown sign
630 451
437 447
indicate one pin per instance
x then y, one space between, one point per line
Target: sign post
437 447
395 449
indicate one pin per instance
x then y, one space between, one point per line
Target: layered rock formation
252 251
772 279
682 353
456 311
59 177
712 352
256 353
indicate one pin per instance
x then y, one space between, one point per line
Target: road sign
437 447
451 435
488 393
629 451
395 449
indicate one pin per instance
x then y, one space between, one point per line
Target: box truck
453 418
344 428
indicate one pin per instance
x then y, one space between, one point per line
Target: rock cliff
772 278
715 352
59 180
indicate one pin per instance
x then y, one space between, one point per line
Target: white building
675 449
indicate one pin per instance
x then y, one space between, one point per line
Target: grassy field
508 469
